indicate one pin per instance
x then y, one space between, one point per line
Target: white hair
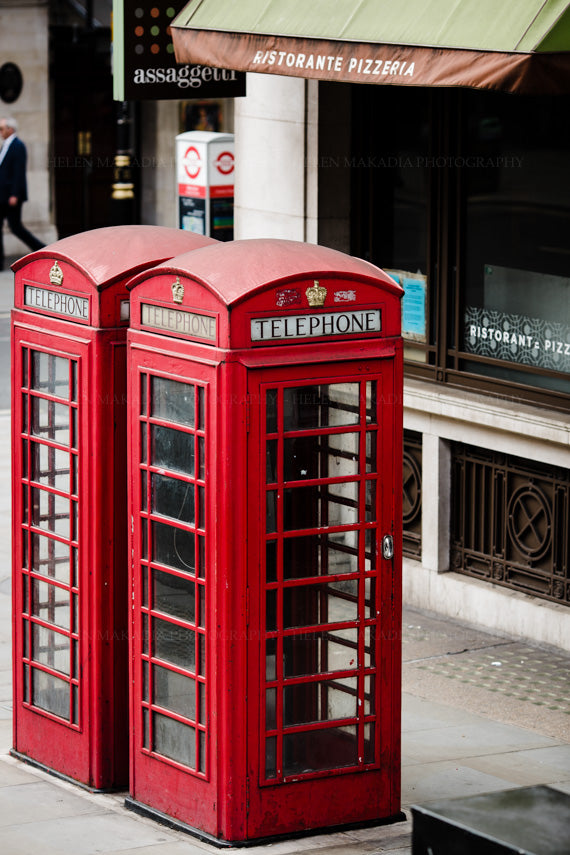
11 123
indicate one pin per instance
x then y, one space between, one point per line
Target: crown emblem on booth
316 294
177 290
56 274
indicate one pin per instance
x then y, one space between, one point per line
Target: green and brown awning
513 45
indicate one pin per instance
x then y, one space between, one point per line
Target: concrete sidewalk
481 713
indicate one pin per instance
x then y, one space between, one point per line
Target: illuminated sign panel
144 65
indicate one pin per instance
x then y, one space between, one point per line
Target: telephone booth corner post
265 430
69 521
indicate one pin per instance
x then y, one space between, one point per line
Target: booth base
524 821
177 825
55 774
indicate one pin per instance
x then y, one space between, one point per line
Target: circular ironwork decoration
11 82
530 521
412 489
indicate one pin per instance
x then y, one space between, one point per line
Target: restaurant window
464 197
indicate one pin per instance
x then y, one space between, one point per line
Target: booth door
323 743
51 656
169 690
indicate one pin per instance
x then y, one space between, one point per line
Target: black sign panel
148 61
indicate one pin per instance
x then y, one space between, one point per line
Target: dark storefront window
465 196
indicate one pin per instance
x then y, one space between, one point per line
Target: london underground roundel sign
224 162
192 163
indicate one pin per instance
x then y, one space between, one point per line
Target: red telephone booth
265 486
69 498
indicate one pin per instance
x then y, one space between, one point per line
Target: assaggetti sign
144 66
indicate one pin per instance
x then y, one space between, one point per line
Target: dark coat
13 173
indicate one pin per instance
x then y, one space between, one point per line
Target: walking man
13 186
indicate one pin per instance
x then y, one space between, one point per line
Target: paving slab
550 765
426 782
85 834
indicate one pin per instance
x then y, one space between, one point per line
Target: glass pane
309 407
370 598
202 702
271 757
369 735
172 449
51 603
319 554
343 459
370 545
174 691
371 451
309 605
50 420
173 643
201 408
172 401
174 595
271 461
73 395
202 606
50 558
50 693
270 659
202 659
173 546
271 561
369 694
201 458
271 511
270 709
324 701
50 648
172 498
50 374
371 402
303 458
174 739
201 507
318 750
370 647
145 728
318 506
271 610
145 680
50 512
75 429
271 411
50 466
143 442
201 557
320 652
371 508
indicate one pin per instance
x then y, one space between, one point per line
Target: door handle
388 547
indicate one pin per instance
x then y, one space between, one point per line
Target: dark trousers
13 214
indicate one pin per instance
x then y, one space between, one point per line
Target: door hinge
247 795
